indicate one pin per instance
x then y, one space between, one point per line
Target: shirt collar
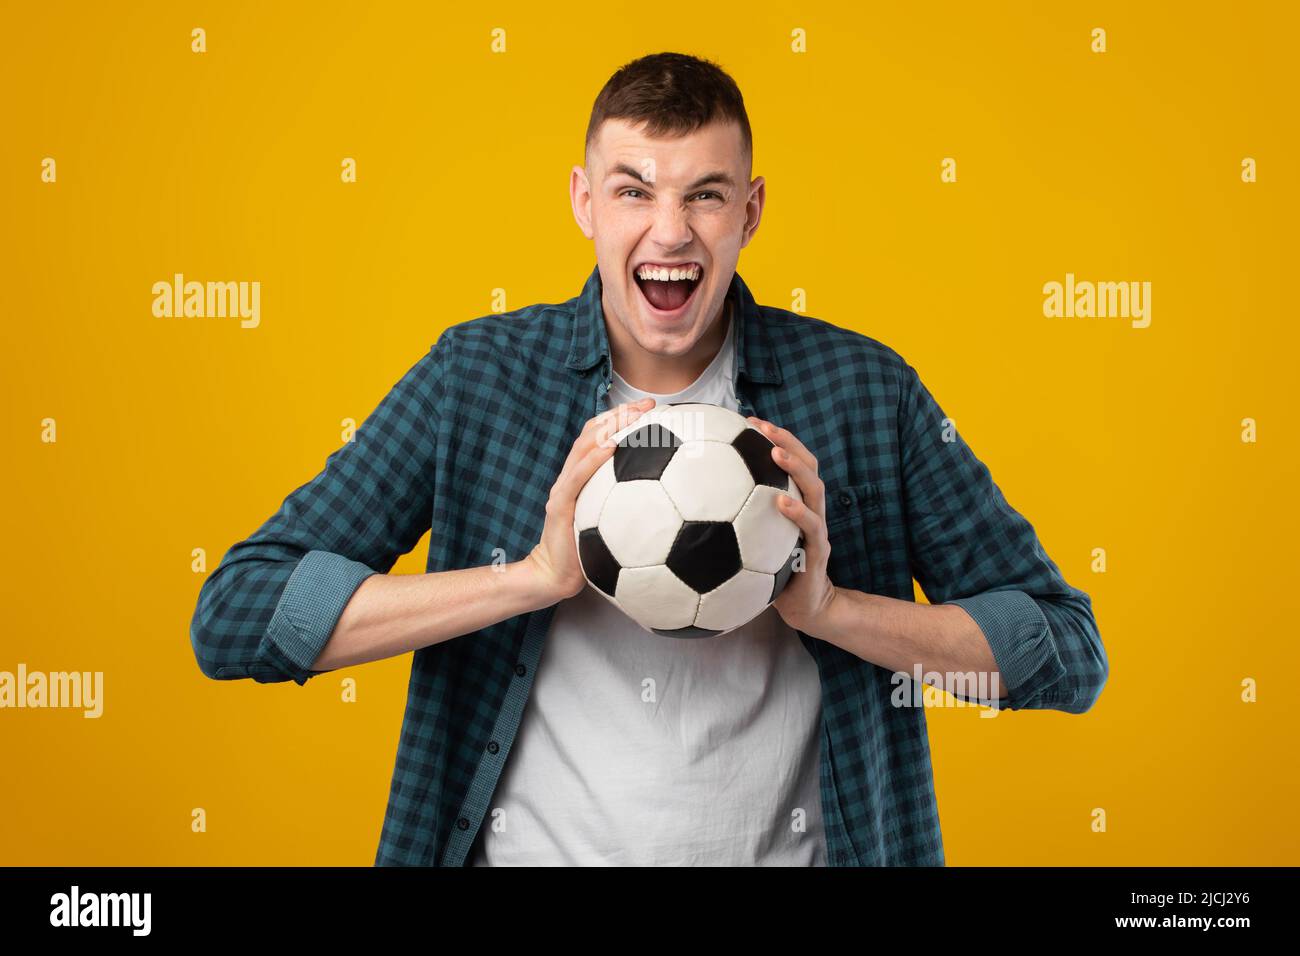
755 359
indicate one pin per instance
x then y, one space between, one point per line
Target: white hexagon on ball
655 597
591 500
736 601
707 481
766 536
639 523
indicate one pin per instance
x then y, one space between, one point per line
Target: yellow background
182 433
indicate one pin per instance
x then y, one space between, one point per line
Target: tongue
667 296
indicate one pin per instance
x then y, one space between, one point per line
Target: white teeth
668 275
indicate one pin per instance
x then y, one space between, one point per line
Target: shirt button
493 746
521 670
462 824
845 500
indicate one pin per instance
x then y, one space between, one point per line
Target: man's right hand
554 560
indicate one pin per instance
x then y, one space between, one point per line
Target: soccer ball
680 529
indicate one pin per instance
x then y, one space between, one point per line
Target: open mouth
665 295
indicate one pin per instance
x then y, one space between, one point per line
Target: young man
542 726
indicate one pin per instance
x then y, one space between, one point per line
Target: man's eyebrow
707 179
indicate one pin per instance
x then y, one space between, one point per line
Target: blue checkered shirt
467 444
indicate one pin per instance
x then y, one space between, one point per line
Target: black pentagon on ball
689 631
756 451
645 453
599 565
783 575
704 554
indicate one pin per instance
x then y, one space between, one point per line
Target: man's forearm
392 614
899 635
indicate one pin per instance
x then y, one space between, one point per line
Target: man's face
667 203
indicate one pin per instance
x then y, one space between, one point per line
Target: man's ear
580 199
754 209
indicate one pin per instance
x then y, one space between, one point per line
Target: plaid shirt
468 443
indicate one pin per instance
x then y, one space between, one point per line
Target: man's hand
807 597
554 560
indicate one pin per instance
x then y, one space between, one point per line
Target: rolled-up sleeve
269 608
969 547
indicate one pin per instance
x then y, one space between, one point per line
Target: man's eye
710 193
626 191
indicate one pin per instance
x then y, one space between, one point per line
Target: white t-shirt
641 749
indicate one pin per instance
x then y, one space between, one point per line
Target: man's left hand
808 595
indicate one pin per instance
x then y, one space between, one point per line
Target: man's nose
672 227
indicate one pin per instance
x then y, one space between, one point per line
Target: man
542 726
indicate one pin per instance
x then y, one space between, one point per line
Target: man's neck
666 375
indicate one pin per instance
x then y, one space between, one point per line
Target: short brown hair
673 94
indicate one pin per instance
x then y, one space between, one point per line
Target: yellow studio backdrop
930 169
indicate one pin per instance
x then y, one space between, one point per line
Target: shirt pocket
849 508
